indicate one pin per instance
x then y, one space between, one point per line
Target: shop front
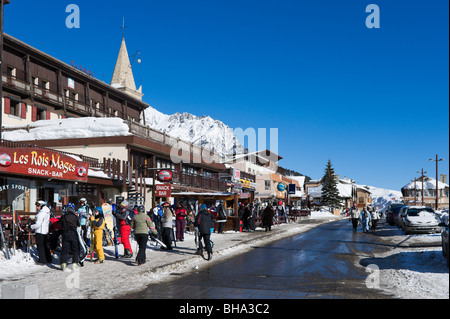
28 174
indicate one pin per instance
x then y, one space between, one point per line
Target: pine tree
330 192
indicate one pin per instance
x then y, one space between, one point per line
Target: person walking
267 217
375 215
365 219
41 228
221 217
180 222
70 243
141 224
204 221
98 223
354 216
167 227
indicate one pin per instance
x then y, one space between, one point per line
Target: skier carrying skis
98 223
69 223
41 229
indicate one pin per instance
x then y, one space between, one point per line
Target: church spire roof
122 78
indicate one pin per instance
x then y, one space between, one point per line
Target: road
320 263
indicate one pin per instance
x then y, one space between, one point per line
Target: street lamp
437 179
2 3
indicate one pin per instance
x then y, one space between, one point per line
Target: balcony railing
52 97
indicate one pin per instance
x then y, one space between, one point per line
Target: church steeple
122 78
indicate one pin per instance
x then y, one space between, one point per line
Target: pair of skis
4 243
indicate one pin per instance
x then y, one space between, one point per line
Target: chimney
443 178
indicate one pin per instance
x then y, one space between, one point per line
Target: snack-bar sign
42 163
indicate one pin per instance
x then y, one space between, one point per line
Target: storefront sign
163 190
42 163
281 187
164 175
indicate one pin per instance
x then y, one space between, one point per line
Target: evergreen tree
330 192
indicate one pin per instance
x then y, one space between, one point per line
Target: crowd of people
368 218
78 233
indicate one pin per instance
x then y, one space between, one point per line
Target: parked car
398 218
391 214
419 219
444 236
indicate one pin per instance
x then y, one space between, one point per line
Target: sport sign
42 163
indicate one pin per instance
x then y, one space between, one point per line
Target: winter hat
203 206
99 209
141 209
69 209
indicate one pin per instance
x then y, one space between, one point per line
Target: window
267 185
10 72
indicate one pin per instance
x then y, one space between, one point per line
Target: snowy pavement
409 270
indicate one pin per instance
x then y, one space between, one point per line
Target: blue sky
373 101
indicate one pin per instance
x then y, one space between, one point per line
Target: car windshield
396 209
416 211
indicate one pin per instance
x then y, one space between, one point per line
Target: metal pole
423 190
1 69
437 184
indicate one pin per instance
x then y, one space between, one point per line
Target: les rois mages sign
42 163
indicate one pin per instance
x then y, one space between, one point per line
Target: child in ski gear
98 223
41 228
70 244
141 224
167 224
365 219
205 221
180 222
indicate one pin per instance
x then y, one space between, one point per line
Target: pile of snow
203 131
70 128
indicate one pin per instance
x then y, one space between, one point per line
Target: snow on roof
428 183
84 127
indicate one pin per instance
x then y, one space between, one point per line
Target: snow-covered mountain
382 197
204 131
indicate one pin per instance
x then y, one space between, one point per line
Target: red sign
163 190
165 175
42 163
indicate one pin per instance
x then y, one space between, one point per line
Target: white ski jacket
42 221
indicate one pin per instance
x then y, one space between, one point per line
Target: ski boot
127 254
99 261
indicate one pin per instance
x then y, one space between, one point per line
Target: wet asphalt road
321 263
